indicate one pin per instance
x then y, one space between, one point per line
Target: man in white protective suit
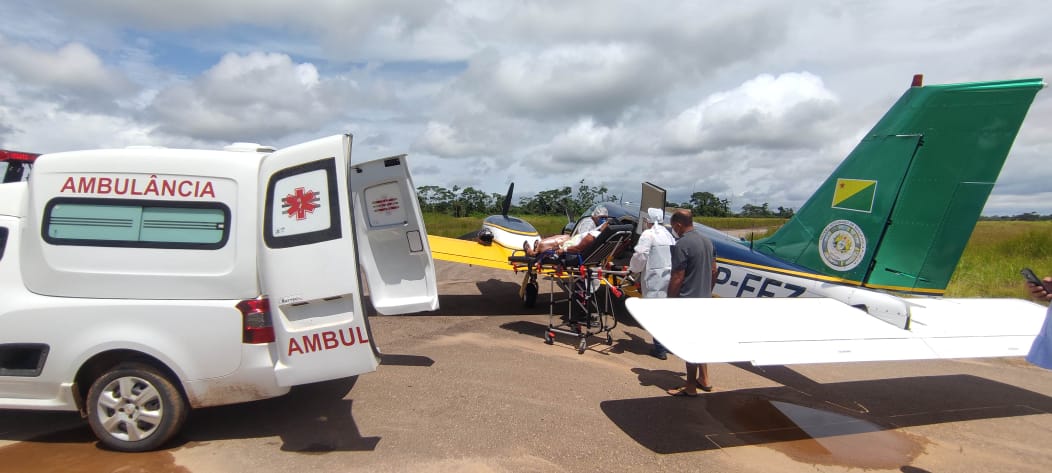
652 258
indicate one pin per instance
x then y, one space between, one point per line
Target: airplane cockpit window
584 224
510 223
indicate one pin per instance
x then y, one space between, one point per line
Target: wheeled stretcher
588 283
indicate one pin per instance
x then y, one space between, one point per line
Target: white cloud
569 80
256 97
443 140
787 111
585 142
49 127
72 71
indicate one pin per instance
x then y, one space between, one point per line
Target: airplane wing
770 331
469 252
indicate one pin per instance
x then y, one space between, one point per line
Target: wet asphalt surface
474 388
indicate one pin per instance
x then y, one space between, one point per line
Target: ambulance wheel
582 346
529 298
134 408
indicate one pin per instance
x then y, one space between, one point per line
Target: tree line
1025 216
467 201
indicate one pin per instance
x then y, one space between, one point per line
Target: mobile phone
1033 279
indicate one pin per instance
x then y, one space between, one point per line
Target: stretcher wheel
529 297
582 345
549 338
609 339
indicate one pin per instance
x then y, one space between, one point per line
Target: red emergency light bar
7 155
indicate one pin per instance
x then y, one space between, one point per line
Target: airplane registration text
734 281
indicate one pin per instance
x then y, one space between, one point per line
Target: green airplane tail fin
898 212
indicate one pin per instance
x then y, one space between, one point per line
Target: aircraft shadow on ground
666 424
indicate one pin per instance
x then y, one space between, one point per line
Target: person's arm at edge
675 282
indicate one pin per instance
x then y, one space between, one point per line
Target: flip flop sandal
681 392
705 388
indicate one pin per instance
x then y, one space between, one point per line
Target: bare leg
692 378
545 244
704 375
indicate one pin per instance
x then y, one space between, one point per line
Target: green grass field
996 252
989 266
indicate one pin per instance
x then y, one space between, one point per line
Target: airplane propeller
507 201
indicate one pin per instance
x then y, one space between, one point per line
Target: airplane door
392 241
652 197
309 269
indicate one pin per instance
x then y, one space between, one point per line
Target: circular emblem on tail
842 245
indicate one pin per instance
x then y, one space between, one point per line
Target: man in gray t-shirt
693 270
693 256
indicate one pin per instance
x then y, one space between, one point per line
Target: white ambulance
138 283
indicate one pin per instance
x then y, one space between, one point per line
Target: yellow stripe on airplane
469 252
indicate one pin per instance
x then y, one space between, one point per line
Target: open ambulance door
309 267
392 242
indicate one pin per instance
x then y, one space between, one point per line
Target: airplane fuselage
745 273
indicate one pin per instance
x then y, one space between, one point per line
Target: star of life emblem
300 203
842 245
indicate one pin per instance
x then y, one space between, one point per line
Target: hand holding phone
1033 279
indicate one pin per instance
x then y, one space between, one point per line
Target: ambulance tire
133 407
529 297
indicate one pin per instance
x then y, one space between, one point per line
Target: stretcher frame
589 288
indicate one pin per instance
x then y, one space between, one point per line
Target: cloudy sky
753 101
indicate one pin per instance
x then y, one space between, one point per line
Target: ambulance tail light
256 323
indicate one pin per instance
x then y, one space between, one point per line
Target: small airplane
500 236
508 232
859 271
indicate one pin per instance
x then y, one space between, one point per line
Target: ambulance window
302 205
136 224
3 241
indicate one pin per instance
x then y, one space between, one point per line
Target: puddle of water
814 436
75 451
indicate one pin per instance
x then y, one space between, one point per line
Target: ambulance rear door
391 238
309 268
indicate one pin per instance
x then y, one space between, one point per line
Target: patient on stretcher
559 244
